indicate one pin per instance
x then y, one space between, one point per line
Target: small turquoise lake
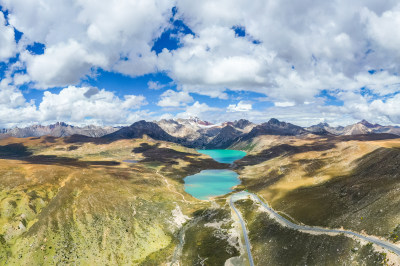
224 156
210 183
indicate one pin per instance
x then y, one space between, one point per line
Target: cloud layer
77 105
298 55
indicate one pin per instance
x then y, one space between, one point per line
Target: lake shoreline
212 182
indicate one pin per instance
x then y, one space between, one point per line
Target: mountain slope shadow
18 151
323 144
282 150
169 160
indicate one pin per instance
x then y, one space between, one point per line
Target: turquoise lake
224 156
209 183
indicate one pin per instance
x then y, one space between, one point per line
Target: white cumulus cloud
72 105
198 109
154 85
240 107
62 64
7 42
171 98
81 36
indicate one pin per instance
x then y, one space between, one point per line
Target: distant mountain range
362 127
58 129
201 134
197 133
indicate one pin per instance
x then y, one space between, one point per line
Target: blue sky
154 60
122 84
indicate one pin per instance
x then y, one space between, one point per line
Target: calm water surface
224 156
209 183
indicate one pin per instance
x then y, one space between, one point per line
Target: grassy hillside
331 182
81 203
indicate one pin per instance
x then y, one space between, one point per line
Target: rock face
60 129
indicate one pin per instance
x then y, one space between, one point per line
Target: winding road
246 237
303 228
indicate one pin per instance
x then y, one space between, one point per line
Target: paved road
384 244
246 237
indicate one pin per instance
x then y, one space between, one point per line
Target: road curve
246 237
384 244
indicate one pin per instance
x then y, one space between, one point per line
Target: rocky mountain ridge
360 128
59 129
197 133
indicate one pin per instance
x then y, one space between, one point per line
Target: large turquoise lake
210 183
224 156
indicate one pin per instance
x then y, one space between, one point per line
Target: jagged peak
274 121
241 123
320 125
194 120
59 124
200 122
323 124
142 123
368 124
